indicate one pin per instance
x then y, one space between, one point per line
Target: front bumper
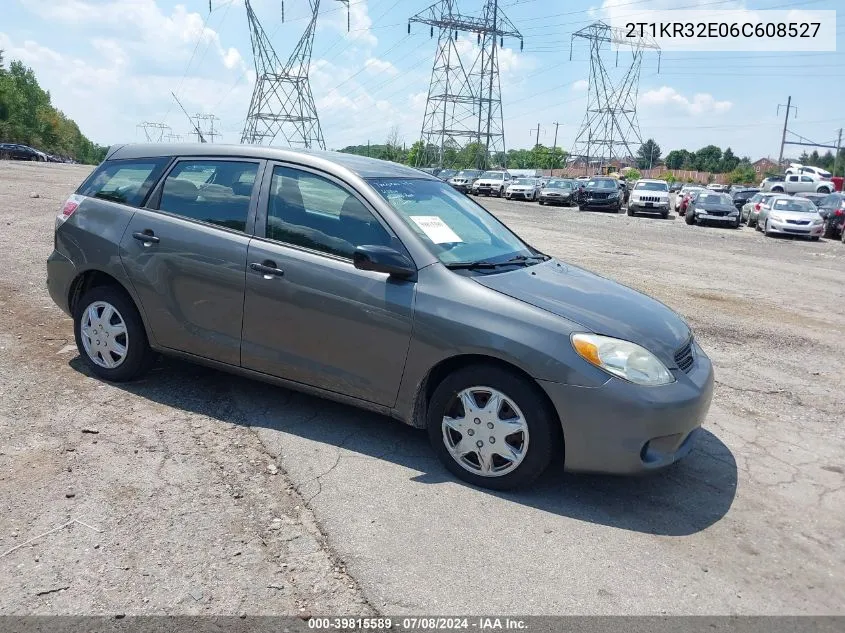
727 219
524 195
808 230
623 428
600 203
463 188
556 199
485 190
655 207
60 275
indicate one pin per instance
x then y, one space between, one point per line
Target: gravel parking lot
192 491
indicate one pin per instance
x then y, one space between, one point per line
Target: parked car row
804 214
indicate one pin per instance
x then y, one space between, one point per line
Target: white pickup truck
799 179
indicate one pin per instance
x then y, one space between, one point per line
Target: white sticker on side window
436 229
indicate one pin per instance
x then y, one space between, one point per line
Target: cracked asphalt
208 493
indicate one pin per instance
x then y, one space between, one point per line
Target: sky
112 64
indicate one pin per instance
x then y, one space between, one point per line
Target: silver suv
380 286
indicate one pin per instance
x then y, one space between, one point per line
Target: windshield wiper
523 260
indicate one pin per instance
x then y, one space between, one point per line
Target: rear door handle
146 236
267 268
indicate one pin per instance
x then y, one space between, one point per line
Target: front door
309 315
186 259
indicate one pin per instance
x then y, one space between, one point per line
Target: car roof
360 165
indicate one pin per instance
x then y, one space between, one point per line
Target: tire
766 231
501 193
665 215
541 202
824 190
689 218
829 232
814 238
138 357
843 236
736 224
630 212
539 440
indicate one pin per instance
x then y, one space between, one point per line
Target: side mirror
383 259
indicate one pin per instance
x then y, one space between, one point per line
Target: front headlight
622 358
818 221
776 218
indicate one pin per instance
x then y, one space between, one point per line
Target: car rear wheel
110 335
829 231
689 218
491 427
541 202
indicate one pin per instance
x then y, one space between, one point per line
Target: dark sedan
712 207
16 151
832 209
558 192
601 193
742 196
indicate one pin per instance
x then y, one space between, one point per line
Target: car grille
684 358
716 212
649 198
799 222
599 196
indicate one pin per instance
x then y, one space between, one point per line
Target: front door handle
146 236
267 268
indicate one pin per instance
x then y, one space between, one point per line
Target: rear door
309 315
185 255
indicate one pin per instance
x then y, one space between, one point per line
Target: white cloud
360 23
700 103
377 66
580 86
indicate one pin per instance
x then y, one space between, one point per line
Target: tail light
839 212
69 208
757 207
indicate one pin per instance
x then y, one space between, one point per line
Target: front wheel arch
447 366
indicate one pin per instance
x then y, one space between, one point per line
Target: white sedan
524 189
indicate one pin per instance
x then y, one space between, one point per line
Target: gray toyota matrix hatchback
379 286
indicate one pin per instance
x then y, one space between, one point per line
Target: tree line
28 117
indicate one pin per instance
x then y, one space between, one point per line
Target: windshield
794 204
652 186
493 175
467 173
523 181
559 184
713 198
455 228
602 183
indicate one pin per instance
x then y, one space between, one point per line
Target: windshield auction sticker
727 30
436 229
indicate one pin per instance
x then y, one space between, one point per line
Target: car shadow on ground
684 499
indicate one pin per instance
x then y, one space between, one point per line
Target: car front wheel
689 217
110 335
491 428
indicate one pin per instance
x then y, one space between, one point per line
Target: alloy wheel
485 432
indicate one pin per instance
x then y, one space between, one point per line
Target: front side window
124 181
313 212
456 229
214 191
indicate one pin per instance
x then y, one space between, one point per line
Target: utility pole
785 120
536 130
836 156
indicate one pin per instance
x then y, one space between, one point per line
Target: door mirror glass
383 259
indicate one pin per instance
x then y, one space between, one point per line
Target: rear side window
213 191
124 181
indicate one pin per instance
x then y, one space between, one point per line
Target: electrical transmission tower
154 132
464 103
282 102
207 131
610 129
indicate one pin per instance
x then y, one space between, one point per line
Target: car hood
596 304
715 207
562 192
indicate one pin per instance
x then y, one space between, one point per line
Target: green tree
648 156
708 158
729 161
415 153
677 158
632 174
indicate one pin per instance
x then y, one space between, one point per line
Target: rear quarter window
125 181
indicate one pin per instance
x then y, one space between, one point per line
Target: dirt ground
193 492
